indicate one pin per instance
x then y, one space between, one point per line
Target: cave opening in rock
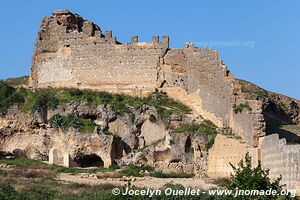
188 145
91 160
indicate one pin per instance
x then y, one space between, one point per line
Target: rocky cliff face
158 132
281 113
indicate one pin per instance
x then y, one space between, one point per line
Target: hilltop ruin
72 52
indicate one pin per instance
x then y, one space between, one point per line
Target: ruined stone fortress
72 52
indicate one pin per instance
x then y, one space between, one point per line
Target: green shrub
7 192
171 142
210 141
162 100
106 132
3 172
56 121
9 96
131 117
166 106
23 80
24 162
171 175
70 120
113 167
244 177
42 100
74 92
73 121
164 113
86 125
41 192
134 170
252 91
241 107
152 118
190 150
206 127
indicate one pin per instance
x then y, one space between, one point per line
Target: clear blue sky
258 40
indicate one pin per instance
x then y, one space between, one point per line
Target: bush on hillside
246 177
70 120
9 96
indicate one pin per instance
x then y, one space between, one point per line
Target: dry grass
106 175
31 173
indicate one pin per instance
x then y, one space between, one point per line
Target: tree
244 177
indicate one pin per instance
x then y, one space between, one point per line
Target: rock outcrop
140 136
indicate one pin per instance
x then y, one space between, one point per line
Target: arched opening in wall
188 145
57 157
91 160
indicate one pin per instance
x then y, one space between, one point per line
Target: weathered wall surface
249 123
273 153
72 52
199 70
199 79
282 160
224 151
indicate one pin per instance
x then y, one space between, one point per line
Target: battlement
64 27
154 41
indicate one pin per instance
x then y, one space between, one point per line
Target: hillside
282 113
138 134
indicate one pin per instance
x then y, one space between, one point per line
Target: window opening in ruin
91 160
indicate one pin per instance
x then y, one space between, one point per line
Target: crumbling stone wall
250 122
72 52
199 79
225 150
282 160
273 153
200 70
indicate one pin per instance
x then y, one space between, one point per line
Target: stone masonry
72 52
